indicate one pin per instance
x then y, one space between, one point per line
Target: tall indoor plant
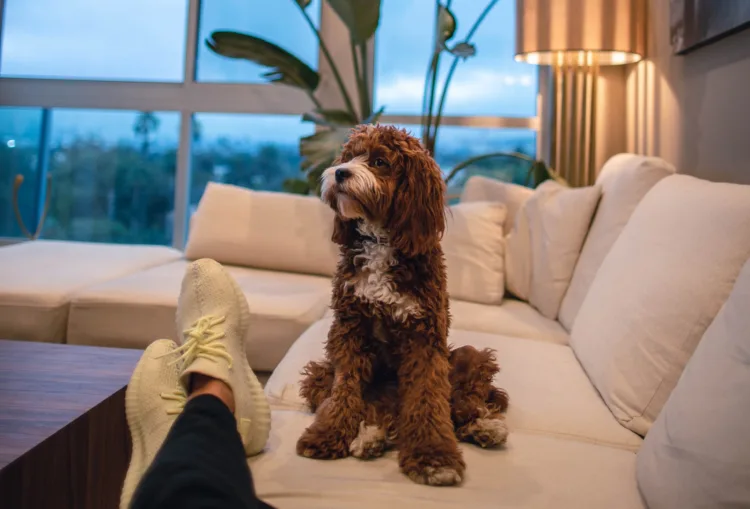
361 17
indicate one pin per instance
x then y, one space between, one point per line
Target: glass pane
253 151
20 132
280 23
457 144
140 40
490 83
113 176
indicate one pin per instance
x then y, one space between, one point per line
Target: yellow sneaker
213 313
153 400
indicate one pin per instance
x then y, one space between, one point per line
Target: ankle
201 384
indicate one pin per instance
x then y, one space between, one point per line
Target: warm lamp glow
578 57
580 32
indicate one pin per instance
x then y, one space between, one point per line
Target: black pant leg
201 464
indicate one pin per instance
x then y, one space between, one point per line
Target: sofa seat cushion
38 278
530 472
512 318
549 391
135 310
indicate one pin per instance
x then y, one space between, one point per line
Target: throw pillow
625 179
697 453
275 231
658 289
513 196
543 247
474 250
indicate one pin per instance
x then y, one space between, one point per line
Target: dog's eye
380 162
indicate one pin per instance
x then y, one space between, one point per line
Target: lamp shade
605 32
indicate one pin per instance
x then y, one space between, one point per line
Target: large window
277 21
126 112
490 83
139 40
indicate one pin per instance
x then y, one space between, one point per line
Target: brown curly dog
388 366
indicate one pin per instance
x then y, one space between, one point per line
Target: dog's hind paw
436 476
490 432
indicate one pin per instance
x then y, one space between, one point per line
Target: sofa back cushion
513 196
697 453
543 247
658 289
625 179
275 231
474 248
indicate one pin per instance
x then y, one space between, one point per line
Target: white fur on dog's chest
374 281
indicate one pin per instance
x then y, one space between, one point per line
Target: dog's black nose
342 174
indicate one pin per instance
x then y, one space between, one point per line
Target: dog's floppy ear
417 217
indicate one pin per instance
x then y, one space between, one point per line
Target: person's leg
201 461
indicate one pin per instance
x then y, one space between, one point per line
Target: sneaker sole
260 420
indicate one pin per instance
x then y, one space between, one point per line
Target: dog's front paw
369 443
321 444
434 468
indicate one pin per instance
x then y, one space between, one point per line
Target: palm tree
145 124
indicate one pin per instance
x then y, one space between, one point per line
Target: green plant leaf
372 119
330 118
463 50
284 67
318 152
296 186
303 3
361 17
446 25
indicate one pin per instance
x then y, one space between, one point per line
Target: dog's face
385 177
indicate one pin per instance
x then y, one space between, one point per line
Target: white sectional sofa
663 256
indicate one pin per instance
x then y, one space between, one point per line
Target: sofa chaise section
37 279
135 310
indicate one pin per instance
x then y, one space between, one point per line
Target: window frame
190 96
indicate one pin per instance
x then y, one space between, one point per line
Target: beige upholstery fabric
543 247
275 231
537 472
474 247
137 309
513 196
37 279
658 289
625 179
512 318
697 453
549 392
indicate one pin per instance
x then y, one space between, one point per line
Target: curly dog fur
389 377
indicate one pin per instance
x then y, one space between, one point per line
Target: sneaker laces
203 342
179 396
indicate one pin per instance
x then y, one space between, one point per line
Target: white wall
692 110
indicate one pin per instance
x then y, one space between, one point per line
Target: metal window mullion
184 148
42 166
148 96
2 30
469 121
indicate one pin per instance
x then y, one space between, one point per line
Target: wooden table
64 441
